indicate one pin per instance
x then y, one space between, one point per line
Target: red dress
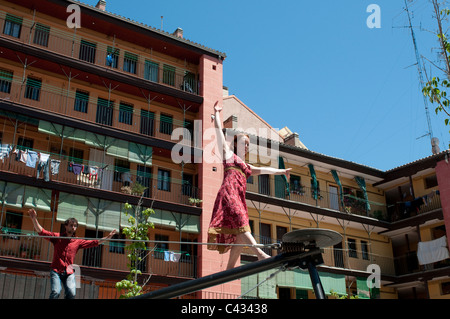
230 216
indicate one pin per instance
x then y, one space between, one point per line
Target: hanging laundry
43 166
171 256
77 168
54 166
432 251
23 156
126 177
32 159
85 170
17 153
175 257
43 157
93 173
5 149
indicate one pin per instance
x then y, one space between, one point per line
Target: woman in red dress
229 222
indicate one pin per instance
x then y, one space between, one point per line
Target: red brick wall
210 177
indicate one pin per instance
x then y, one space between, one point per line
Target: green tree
137 233
436 88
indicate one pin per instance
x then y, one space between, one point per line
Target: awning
314 181
93 213
38 198
297 278
184 222
362 184
281 181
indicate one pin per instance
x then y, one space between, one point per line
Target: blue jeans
68 281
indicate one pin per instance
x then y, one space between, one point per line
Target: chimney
435 146
101 5
178 33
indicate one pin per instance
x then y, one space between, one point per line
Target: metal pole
315 280
291 259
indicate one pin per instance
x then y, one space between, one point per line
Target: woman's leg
235 251
248 239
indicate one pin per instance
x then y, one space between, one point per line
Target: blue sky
349 91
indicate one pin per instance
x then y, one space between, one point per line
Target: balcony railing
420 205
96 110
271 186
111 255
110 178
341 258
69 43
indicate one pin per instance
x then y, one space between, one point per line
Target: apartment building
384 217
101 103
88 104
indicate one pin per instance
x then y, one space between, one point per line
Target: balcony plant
195 201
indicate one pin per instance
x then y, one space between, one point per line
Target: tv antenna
419 68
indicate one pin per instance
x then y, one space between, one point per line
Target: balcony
108 256
98 111
112 179
17 249
144 66
345 259
269 185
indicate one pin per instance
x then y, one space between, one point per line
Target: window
117 246
430 181
165 125
87 51
13 25
144 177
126 113
189 83
163 180
169 75
295 185
121 167
365 250
280 232
188 132
187 187
41 35
33 89
188 249
130 62
112 57
351 245
5 81
264 184
13 222
151 71
147 122
162 245
76 155
81 101
25 143
104 111
445 287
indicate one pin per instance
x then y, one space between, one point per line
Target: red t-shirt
65 250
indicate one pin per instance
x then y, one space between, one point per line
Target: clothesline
150 241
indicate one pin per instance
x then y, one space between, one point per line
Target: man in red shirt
65 250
